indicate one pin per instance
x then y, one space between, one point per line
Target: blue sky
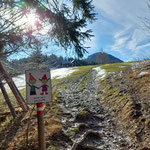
118 30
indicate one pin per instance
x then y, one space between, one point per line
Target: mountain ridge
102 58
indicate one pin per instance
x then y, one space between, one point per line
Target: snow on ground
143 73
101 73
19 81
57 73
62 72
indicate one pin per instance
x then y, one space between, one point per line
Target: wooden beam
12 110
14 89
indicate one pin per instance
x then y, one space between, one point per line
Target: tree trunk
7 99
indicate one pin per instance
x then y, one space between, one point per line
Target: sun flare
30 19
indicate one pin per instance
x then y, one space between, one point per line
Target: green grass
3 104
66 81
56 95
85 81
63 83
115 67
73 132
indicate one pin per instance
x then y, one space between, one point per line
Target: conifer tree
36 60
65 20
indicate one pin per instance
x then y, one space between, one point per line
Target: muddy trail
86 121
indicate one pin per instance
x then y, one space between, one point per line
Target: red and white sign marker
40 109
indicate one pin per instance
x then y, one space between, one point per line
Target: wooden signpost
38 91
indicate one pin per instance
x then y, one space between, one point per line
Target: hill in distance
102 58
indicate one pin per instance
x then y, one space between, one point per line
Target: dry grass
131 104
54 130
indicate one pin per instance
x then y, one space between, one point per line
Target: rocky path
88 124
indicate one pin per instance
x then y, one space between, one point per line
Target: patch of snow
58 73
19 82
100 72
122 66
62 72
143 73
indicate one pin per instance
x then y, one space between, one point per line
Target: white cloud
137 37
143 46
124 11
122 33
121 26
130 43
119 44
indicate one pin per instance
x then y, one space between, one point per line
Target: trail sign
38 86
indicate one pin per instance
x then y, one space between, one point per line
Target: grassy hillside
127 93
124 91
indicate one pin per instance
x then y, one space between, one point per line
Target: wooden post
7 99
41 135
13 88
37 93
